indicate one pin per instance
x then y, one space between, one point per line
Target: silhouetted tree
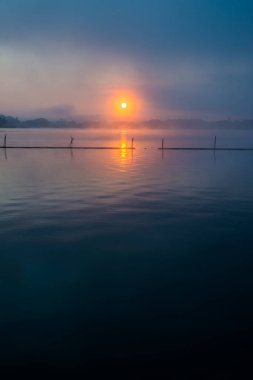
2 121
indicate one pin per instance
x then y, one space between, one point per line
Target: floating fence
71 147
214 148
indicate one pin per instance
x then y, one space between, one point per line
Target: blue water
131 266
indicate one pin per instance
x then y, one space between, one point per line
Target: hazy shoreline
14 122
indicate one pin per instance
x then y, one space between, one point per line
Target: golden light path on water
123 151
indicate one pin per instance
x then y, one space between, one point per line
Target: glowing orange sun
124 105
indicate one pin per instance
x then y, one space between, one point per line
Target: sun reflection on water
123 151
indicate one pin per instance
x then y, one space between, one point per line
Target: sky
170 58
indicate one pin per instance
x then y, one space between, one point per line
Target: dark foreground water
115 265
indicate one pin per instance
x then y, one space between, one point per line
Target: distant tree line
14 122
8 121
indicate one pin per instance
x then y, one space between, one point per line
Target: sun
124 105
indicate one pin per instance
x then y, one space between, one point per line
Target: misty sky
181 58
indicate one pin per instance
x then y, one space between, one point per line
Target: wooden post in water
215 140
132 143
162 143
5 140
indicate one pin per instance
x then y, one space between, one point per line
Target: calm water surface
134 265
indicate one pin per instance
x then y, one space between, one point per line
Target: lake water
131 265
